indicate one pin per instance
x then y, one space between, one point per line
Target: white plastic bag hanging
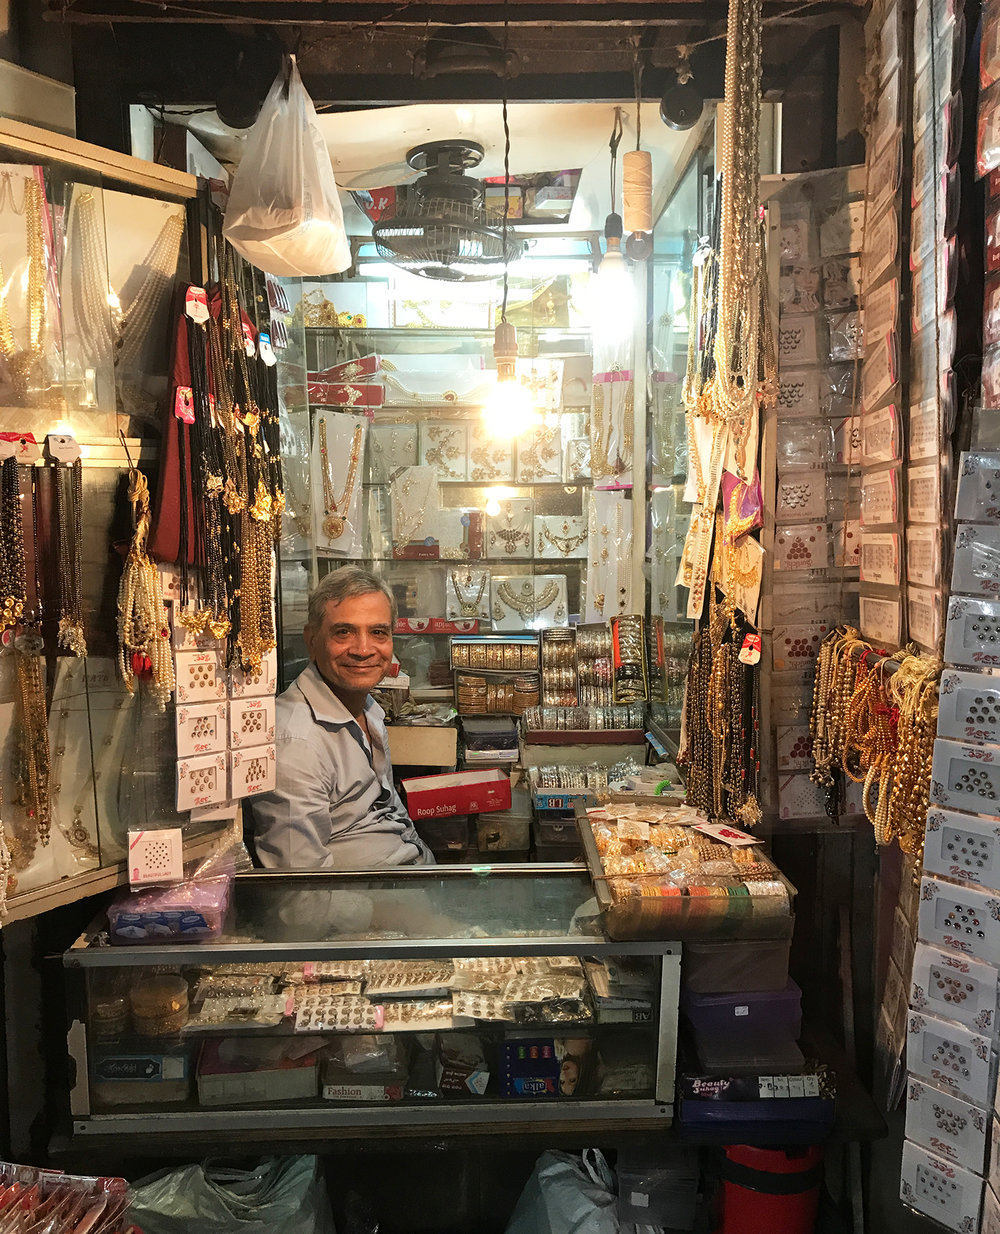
284 213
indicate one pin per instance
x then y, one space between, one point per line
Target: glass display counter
477 998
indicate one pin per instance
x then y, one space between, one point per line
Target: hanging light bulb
509 410
612 296
612 299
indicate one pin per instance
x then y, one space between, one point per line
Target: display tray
688 918
583 736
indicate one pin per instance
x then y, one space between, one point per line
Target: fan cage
444 238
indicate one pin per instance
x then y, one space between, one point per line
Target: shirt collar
324 704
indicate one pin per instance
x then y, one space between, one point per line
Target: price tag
21 446
750 651
63 448
184 404
265 350
196 304
727 834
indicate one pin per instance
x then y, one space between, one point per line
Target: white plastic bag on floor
569 1194
282 1195
284 213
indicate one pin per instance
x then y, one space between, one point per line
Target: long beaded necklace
21 362
160 264
31 745
335 512
69 519
143 632
735 382
13 577
914 689
91 292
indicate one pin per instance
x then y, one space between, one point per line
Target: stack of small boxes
952 1025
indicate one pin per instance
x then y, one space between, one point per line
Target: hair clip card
800 495
978 496
252 771
793 748
795 647
799 797
972 632
200 676
880 498
924 610
880 436
925 429
963 919
201 729
940 1190
880 557
963 847
202 781
976 563
798 392
954 988
949 1055
880 620
804 546
251 721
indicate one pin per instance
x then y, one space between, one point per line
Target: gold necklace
735 384
467 607
528 603
21 361
335 522
562 544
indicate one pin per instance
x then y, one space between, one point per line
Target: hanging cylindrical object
637 178
637 185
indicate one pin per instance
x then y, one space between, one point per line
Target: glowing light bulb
492 507
508 410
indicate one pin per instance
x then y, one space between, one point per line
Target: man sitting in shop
334 806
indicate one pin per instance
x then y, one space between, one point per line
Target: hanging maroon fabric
164 536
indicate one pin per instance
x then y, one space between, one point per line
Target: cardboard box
553 199
430 746
241 1071
370 1089
752 1099
938 1189
945 1125
461 1065
463 792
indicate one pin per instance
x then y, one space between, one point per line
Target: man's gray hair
340 585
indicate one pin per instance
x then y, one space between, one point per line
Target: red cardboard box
461 792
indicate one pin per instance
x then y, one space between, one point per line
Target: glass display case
481 997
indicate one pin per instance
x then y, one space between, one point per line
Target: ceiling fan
440 228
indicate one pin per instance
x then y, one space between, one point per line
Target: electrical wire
613 143
506 161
